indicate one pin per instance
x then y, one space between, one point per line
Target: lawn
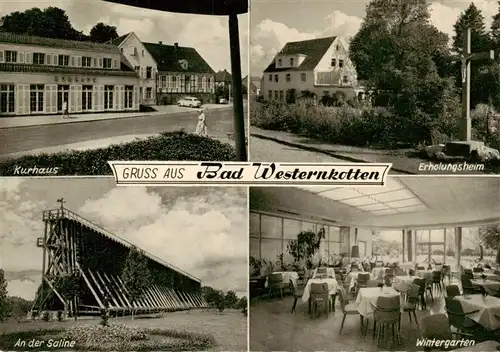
228 329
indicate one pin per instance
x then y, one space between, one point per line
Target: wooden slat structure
77 249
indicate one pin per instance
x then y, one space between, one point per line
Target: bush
104 317
368 126
117 337
59 315
174 146
46 316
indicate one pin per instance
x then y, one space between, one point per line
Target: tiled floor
274 328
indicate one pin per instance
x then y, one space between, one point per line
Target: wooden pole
466 126
239 119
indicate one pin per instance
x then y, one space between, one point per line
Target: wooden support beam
108 290
118 290
101 291
57 293
166 295
96 297
159 296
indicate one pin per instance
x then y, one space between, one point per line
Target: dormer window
280 62
338 47
341 63
291 61
334 62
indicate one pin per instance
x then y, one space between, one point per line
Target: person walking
65 110
201 127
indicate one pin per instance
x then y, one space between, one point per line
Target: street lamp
230 8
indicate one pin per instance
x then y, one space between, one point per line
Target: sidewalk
93 144
400 162
28 121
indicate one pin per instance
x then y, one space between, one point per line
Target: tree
136 275
3 296
51 22
401 56
214 298
482 88
231 299
490 237
102 33
495 29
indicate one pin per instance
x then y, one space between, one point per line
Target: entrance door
141 97
62 96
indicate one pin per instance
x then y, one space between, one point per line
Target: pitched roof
119 40
170 57
254 82
13 38
223 76
313 49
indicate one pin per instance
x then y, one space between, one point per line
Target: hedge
169 146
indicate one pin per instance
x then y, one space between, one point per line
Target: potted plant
304 247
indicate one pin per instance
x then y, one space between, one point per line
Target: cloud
208 34
202 233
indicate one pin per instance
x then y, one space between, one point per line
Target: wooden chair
459 319
436 281
319 295
436 327
446 273
452 291
347 308
410 306
468 287
297 294
421 293
386 314
276 283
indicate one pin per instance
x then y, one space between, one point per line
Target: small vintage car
191 102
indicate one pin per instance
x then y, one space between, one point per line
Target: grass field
229 328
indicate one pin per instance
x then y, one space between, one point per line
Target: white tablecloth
329 271
489 276
333 287
488 306
367 295
287 276
424 274
492 287
401 282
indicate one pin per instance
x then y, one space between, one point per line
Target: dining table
488 309
330 272
354 277
492 287
333 287
368 295
287 277
401 282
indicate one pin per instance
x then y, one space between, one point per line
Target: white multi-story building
37 75
168 72
320 66
142 62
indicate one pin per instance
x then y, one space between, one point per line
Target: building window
173 82
337 47
276 95
270 95
86 98
163 82
149 71
192 84
334 62
129 94
291 61
345 79
107 62
39 58
10 56
137 69
86 61
279 62
142 52
270 78
62 96
288 77
36 97
7 98
199 86
276 79
121 49
341 63
282 95
108 97
303 77
149 93
63 60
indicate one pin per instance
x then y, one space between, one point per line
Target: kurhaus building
167 72
37 75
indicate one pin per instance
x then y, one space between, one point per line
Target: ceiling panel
341 193
404 203
358 202
385 212
376 206
393 196
412 209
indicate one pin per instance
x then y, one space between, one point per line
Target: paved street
265 150
15 140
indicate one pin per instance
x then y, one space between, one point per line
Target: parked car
223 101
190 102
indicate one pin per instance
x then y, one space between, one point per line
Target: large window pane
334 234
254 225
291 228
270 226
334 248
451 258
254 247
271 249
422 235
362 249
437 235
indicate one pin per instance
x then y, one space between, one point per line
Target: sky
208 34
200 230
275 22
